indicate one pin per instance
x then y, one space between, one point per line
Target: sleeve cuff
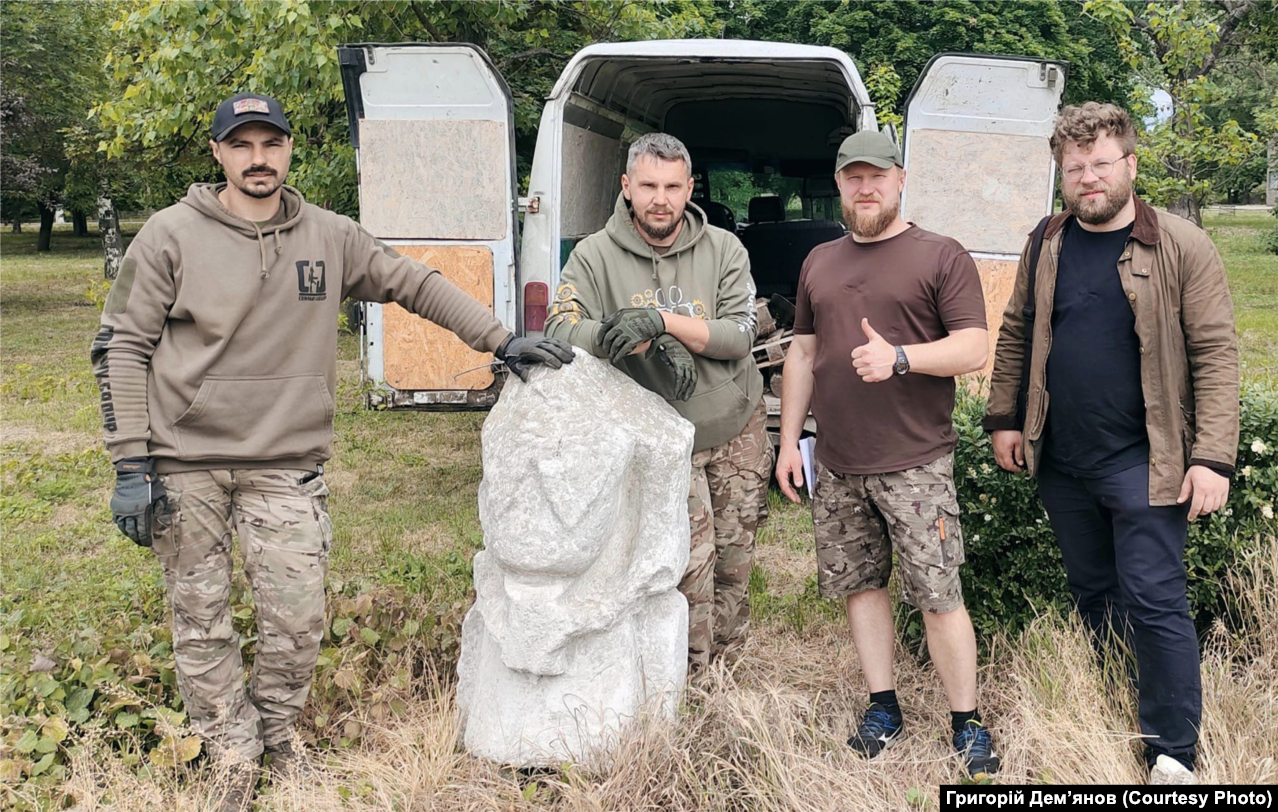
725 336
1224 469
1000 422
128 449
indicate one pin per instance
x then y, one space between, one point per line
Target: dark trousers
1125 562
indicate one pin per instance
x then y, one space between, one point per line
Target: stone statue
577 626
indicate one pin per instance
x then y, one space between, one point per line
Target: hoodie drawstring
261 247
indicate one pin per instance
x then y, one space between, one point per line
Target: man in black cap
217 367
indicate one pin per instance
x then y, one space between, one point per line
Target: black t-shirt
1096 411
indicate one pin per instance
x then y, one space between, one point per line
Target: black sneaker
975 744
879 730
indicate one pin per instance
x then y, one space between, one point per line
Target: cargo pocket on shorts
950 536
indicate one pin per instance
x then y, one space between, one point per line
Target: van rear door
979 168
433 129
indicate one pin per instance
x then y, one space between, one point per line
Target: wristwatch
902 364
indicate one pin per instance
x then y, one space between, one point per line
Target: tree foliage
49 73
1177 47
892 42
172 63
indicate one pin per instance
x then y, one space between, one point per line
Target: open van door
433 129
979 167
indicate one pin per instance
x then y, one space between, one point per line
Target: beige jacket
1176 284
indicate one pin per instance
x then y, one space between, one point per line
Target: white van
434 135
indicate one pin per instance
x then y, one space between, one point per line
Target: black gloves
138 500
676 356
628 328
521 354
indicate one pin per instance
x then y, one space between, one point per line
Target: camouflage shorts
859 520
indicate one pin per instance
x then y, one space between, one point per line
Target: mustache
259 169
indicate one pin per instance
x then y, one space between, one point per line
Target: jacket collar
1145 229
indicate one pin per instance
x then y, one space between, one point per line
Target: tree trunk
17 225
47 213
112 244
1187 206
79 224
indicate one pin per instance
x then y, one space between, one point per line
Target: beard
261 186
1099 211
655 230
871 225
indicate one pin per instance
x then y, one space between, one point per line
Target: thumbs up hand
874 360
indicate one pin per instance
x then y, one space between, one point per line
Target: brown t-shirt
914 288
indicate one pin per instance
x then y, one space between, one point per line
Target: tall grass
769 735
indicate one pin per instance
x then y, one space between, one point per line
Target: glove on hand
676 356
521 354
138 500
628 328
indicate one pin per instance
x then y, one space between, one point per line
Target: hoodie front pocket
257 419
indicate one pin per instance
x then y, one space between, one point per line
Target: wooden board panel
986 191
434 179
997 280
420 355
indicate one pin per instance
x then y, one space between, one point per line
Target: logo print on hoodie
310 281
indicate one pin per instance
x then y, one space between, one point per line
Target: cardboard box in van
433 129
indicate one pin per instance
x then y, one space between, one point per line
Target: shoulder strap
1028 312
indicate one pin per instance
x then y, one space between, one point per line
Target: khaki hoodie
218 346
706 275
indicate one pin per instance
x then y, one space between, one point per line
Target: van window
735 188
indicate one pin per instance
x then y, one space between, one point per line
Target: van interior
762 136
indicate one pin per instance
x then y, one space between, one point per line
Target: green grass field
404 488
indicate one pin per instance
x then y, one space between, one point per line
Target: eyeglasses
1101 169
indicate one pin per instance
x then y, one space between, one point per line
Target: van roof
712 49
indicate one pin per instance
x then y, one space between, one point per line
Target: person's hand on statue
521 354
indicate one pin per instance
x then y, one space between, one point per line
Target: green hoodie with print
705 275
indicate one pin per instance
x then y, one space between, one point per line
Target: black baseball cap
245 107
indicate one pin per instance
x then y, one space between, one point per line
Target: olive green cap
869 146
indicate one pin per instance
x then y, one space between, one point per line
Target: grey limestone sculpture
577 627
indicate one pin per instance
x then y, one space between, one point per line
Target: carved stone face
561 518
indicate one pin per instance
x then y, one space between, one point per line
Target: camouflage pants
285 534
859 520
727 498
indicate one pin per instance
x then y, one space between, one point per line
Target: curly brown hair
1084 124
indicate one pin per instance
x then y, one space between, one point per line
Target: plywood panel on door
421 355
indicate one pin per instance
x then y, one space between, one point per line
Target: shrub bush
1014 570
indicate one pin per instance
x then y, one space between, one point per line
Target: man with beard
217 363
1133 346
886 317
669 300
